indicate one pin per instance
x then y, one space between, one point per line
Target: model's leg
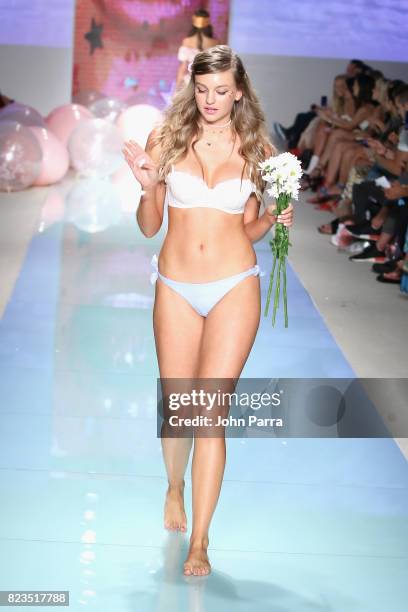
229 333
178 330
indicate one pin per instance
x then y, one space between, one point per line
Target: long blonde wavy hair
180 125
339 102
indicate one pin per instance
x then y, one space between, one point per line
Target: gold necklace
221 129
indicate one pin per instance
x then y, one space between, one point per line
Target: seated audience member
356 67
358 159
289 137
326 165
318 130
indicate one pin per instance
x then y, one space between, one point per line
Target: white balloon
128 188
95 148
93 205
136 122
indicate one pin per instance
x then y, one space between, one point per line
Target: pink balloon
55 160
64 119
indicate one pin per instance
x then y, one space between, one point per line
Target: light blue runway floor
301 524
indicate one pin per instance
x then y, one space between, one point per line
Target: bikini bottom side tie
203 296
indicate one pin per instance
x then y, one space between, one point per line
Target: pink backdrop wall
139 39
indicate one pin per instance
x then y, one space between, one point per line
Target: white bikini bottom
203 296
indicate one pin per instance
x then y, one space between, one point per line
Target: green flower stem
268 298
285 299
280 248
277 292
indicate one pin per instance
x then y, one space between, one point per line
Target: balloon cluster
86 136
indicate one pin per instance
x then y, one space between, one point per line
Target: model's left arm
257 226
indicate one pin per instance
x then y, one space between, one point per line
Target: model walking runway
82 470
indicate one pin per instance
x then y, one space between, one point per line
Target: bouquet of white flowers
283 173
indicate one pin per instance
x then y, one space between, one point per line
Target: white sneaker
312 164
357 247
342 238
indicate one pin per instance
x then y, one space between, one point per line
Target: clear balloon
108 108
93 205
64 119
86 98
20 156
95 148
22 113
55 158
151 98
137 121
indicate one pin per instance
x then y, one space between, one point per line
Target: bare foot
197 563
175 518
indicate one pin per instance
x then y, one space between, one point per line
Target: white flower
283 173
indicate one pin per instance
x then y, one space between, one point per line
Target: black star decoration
94 36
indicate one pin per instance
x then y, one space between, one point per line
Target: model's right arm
150 211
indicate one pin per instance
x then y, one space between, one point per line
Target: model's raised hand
141 164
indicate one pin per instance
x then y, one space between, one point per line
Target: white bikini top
185 190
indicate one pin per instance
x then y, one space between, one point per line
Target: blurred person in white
199 38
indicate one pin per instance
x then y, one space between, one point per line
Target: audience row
354 153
